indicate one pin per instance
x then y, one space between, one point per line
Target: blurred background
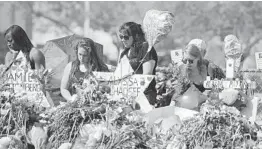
211 21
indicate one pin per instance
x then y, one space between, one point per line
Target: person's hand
65 146
111 68
74 98
48 74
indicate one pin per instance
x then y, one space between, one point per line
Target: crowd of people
195 67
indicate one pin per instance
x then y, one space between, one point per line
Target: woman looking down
87 60
20 45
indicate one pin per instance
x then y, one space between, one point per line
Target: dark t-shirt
136 56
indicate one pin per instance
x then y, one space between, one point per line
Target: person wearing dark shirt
135 49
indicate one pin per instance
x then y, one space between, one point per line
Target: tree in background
204 20
3 48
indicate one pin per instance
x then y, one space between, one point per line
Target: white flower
6 94
65 146
119 110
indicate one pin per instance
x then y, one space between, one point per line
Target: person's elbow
40 63
39 66
64 93
148 67
38 58
148 72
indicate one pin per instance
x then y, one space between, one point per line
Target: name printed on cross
127 87
229 84
23 79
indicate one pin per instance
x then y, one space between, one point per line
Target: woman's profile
20 45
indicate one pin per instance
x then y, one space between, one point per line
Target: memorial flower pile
217 126
94 120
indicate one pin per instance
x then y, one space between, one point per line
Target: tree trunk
87 29
29 19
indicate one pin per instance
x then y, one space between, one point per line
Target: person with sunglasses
193 71
214 71
135 49
194 67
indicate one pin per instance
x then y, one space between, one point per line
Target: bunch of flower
17 113
216 126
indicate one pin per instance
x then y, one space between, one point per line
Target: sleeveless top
134 60
74 77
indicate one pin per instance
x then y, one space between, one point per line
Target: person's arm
38 58
64 88
149 60
148 67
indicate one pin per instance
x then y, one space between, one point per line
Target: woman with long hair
194 66
191 75
214 71
19 43
87 60
135 49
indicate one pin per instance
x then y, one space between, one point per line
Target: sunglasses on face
124 37
190 61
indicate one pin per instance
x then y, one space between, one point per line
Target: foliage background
210 21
